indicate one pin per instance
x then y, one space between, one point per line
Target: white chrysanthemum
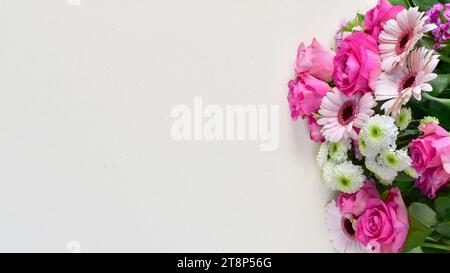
341 116
363 147
327 173
347 178
341 231
412 172
400 36
378 132
397 160
404 118
429 119
397 87
385 174
322 155
339 151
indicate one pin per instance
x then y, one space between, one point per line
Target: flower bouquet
379 104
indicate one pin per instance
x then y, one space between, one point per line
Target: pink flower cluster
439 15
354 68
380 225
380 57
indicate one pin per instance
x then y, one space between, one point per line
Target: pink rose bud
316 60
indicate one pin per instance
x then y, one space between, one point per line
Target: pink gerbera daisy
342 230
342 116
398 86
400 36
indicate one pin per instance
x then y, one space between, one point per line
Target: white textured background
85 149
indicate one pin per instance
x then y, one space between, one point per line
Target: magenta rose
305 95
432 180
377 17
383 227
357 64
316 60
355 204
432 149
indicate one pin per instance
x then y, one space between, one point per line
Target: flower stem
444 58
437 246
410 3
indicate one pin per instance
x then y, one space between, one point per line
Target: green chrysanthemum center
376 132
334 148
391 159
344 181
362 144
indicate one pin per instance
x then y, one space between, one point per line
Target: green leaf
405 182
440 84
442 68
417 234
435 248
409 132
434 107
425 4
442 207
444 229
444 53
424 214
410 192
416 250
404 3
428 42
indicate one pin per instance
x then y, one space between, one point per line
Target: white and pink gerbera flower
342 231
398 86
342 116
400 36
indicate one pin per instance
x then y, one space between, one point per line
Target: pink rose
383 227
314 130
305 95
431 150
357 64
446 160
355 204
316 60
432 180
377 17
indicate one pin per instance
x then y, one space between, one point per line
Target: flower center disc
376 132
348 112
408 82
347 227
403 42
